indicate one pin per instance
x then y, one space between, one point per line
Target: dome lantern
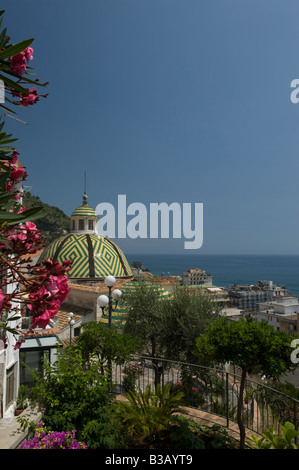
84 218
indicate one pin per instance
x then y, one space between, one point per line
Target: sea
283 270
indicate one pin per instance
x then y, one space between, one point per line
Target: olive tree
144 320
167 327
186 316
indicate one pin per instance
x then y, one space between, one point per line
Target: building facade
196 276
249 297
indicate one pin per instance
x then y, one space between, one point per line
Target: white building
196 276
9 372
280 311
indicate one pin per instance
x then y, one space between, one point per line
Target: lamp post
71 323
104 300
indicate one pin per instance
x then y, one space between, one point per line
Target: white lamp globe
110 281
116 294
103 301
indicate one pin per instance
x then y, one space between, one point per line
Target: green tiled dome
92 256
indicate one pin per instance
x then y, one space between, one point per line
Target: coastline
227 269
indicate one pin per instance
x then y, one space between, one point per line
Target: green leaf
3 178
16 49
11 84
4 156
7 140
35 214
6 149
4 242
10 216
1 14
4 198
7 109
29 215
2 38
13 317
24 78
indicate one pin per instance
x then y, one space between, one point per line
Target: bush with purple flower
44 439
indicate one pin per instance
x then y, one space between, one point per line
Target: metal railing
211 390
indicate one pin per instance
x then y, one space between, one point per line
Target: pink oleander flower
9 186
2 299
57 285
22 209
18 66
28 53
45 302
29 230
19 344
14 158
16 173
17 236
42 319
29 226
32 98
18 62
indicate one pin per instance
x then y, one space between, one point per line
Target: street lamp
104 300
71 323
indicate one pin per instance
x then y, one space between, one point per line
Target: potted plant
22 400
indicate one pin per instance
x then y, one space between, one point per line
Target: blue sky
167 101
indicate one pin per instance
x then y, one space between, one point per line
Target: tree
145 321
106 344
249 345
187 315
167 328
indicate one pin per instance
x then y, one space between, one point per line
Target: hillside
54 223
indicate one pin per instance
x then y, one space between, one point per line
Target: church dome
93 256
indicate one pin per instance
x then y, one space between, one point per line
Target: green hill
53 223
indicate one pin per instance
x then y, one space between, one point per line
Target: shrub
284 440
149 413
44 439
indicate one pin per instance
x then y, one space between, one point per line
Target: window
77 331
90 225
73 225
10 385
32 360
81 224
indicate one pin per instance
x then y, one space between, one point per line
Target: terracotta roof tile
63 313
37 333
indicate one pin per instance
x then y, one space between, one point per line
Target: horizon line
216 254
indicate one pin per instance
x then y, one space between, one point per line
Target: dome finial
85 195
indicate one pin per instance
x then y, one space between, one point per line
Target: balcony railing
211 390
